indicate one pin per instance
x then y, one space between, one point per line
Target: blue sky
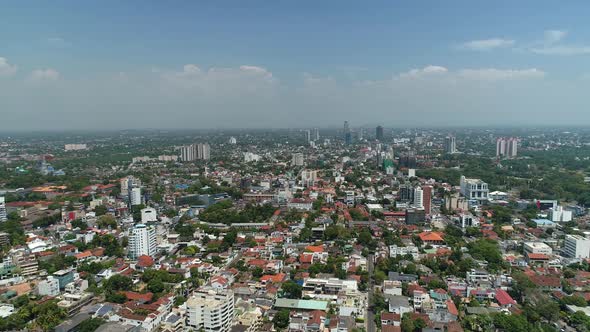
120 64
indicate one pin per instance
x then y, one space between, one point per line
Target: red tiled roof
145 261
134 296
504 298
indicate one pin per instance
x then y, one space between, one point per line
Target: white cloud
48 74
553 36
493 74
424 72
487 44
7 69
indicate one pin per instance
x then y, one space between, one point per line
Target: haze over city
134 64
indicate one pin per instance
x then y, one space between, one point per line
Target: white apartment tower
3 214
135 196
418 198
210 310
142 241
507 147
192 152
297 159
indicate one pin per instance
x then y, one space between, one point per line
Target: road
370 310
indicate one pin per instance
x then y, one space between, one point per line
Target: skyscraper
418 198
315 134
194 152
135 196
507 147
450 145
142 241
3 214
347 134
203 151
379 133
297 159
427 199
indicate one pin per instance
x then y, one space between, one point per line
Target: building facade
142 241
210 310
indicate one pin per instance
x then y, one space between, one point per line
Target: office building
3 214
297 159
142 241
415 216
347 134
210 310
64 277
450 145
474 189
418 198
507 147
379 133
135 196
406 193
427 199
576 246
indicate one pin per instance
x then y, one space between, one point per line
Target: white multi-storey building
418 198
474 188
148 215
309 177
136 196
210 310
507 147
48 287
537 248
297 159
558 214
3 214
142 241
576 246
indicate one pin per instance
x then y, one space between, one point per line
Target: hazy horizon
219 65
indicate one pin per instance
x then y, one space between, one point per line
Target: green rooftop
301 304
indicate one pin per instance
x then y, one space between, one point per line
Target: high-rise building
297 159
347 134
135 196
450 145
315 134
232 140
418 198
507 147
210 310
427 199
576 246
3 214
192 152
309 177
142 241
379 133
203 151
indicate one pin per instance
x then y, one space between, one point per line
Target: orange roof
138 296
537 256
319 248
84 254
430 236
145 261
276 278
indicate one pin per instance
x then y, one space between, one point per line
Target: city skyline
217 65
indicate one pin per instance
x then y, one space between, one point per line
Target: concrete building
3 214
507 147
135 196
142 241
450 145
64 277
48 287
192 152
210 310
427 199
75 147
558 214
315 134
474 189
418 198
537 248
576 246
309 177
148 215
379 133
297 159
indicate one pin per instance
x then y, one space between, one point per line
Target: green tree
281 319
291 290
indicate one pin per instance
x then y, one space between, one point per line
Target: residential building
64 277
75 147
142 241
210 310
474 189
148 215
427 199
576 246
557 214
309 177
450 145
537 248
297 159
418 198
135 196
3 214
48 287
506 147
